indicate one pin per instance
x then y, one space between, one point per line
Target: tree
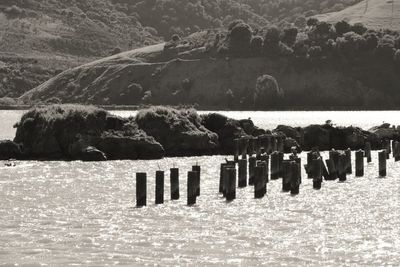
342 27
271 41
239 38
385 48
289 36
312 22
267 94
315 51
358 28
351 44
300 22
256 45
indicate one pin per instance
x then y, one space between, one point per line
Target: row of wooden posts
257 170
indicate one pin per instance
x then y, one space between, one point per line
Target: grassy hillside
40 38
376 14
319 67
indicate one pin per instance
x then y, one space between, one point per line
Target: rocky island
89 133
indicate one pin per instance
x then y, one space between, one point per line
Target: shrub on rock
67 131
179 131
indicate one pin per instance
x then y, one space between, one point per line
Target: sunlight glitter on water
75 213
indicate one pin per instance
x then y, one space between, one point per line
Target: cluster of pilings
193 186
254 166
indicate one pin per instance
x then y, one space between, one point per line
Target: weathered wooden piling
349 166
325 172
396 151
360 163
274 165
159 187
242 173
258 142
310 156
265 159
252 146
265 175
317 173
191 188
174 179
252 166
141 189
382 163
330 164
236 150
342 165
231 184
368 152
287 176
386 145
244 146
280 144
295 179
281 156
334 156
197 169
259 183
297 159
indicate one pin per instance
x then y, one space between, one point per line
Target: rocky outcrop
227 130
10 150
82 133
180 132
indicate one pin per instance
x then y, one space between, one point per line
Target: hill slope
40 38
375 14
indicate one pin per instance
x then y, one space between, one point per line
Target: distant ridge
377 14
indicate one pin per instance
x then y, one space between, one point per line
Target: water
75 213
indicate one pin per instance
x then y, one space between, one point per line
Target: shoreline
198 108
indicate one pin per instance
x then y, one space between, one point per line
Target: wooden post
242 173
159 187
334 156
281 155
265 180
388 148
236 152
342 167
295 179
368 152
360 163
349 166
252 166
317 173
265 159
287 176
258 147
325 172
396 151
251 149
221 178
310 156
198 170
382 163
245 144
274 165
259 181
298 161
281 144
331 169
274 144
231 184
191 188
141 189
174 179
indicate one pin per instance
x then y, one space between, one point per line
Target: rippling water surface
75 213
